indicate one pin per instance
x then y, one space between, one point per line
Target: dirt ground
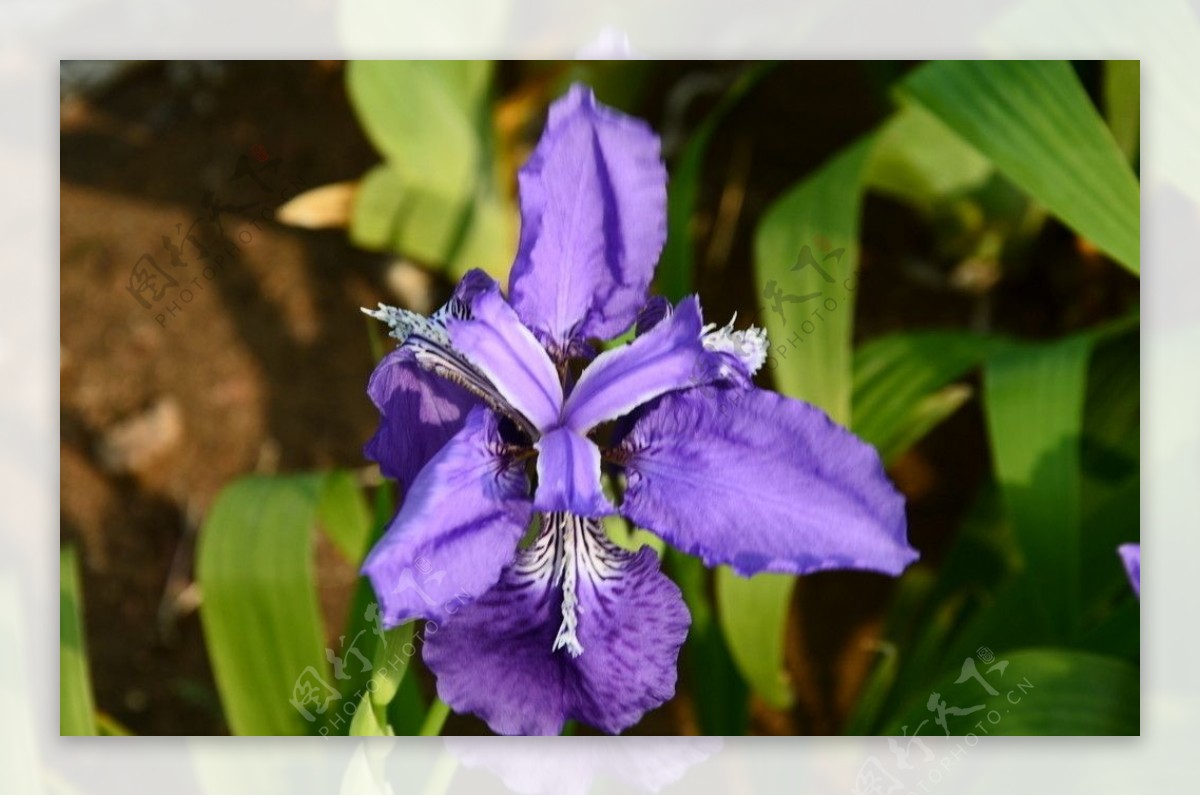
261 365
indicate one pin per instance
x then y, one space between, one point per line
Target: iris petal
458 527
495 342
419 412
593 223
1131 557
501 657
761 482
568 471
670 356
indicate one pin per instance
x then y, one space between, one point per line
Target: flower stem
435 718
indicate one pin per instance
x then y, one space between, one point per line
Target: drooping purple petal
1131 557
760 482
496 342
568 469
497 657
593 222
458 527
419 412
671 356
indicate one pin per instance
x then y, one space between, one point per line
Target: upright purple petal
502 659
495 342
670 356
568 469
1131 557
419 412
458 527
593 222
760 482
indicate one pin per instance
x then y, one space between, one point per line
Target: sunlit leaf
262 626
902 384
424 116
918 159
76 709
753 613
1122 103
1034 120
1034 396
806 259
344 515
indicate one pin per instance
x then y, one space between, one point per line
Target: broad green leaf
1033 402
918 159
810 328
424 116
1122 104
753 614
902 384
344 515
262 626
377 208
808 304
76 709
1037 692
1034 120
674 273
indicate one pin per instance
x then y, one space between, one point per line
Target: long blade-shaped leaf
806 258
1034 396
900 384
1036 692
1034 120
261 622
76 710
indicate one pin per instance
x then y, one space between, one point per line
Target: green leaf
902 384
1039 692
369 720
424 116
1034 120
262 626
753 613
1122 104
344 515
76 709
810 360
920 160
811 338
1034 397
674 273
377 208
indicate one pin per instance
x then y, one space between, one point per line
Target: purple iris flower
498 417
1131 557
